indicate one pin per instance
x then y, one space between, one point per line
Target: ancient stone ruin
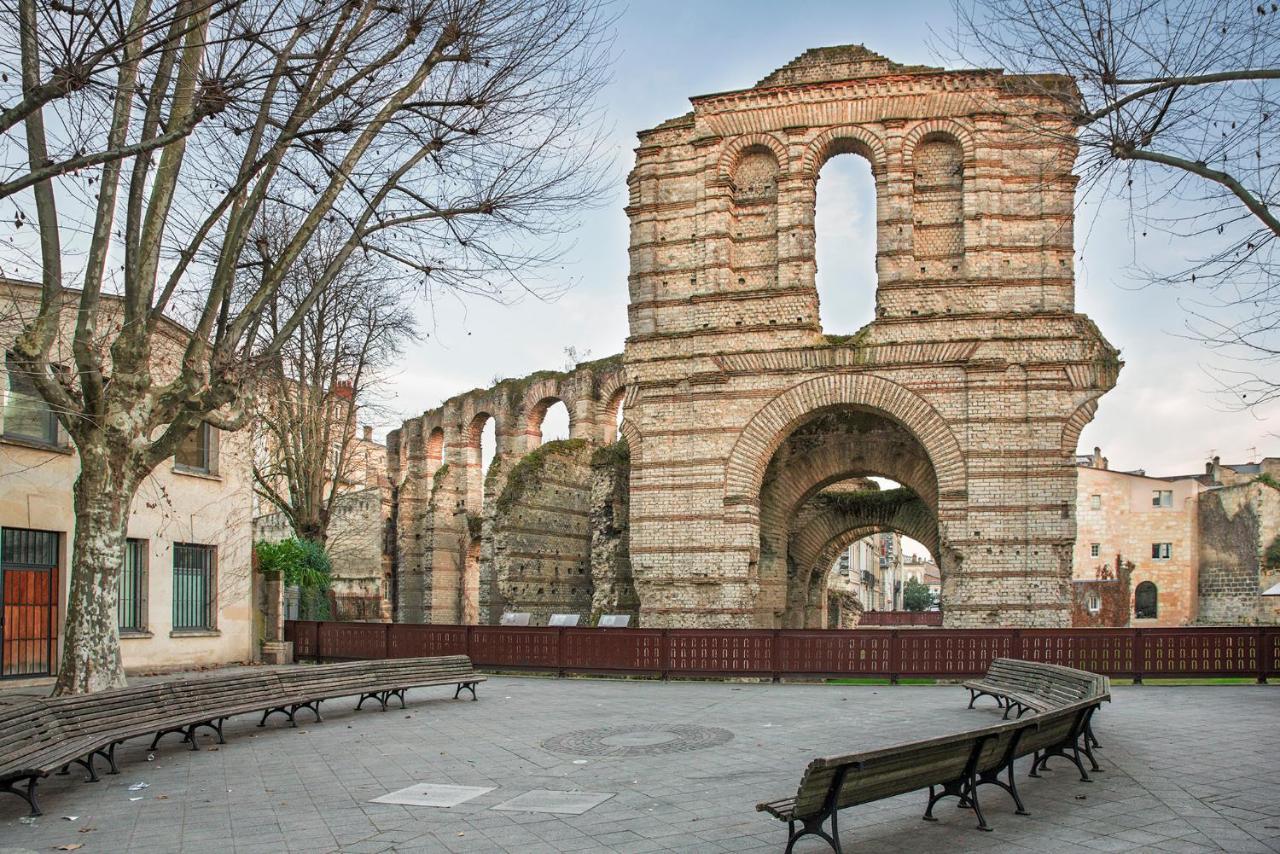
721 503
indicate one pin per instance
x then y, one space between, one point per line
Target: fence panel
852 652
406 640
1201 652
951 652
302 633
1106 651
614 650
515 647
726 652
351 640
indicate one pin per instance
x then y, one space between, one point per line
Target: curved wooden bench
1062 699
42 736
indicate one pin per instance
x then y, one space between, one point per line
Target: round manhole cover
639 740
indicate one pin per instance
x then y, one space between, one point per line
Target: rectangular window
195 452
194 587
1095 502
1095 549
26 414
131 607
1161 551
1162 498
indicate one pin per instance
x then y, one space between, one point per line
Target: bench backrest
1055 684
903 768
26 731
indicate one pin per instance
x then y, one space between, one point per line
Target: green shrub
301 563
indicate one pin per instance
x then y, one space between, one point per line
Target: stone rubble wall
1237 524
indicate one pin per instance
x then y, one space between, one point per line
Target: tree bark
91 646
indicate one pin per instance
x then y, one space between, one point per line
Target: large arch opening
845 240
818 497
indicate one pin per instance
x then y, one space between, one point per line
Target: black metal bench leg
399 694
162 733
813 827
373 695
470 686
109 754
29 795
977 808
313 707
89 765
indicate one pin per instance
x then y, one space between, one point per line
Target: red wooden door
29 583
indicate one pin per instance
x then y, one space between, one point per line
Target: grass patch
1217 680
873 680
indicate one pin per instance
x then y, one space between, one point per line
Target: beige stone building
186 594
1175 550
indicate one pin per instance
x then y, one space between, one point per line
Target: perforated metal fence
1252 652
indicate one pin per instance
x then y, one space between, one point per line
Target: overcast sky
1164 414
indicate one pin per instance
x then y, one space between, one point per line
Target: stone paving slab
1187 769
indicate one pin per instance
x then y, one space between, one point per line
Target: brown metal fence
887 653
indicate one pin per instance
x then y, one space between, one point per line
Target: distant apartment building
186 587
1175 550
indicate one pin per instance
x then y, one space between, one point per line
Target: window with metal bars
194 587
131 607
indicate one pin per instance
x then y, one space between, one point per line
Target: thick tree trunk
91 644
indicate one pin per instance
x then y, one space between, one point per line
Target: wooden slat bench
1062 699
42 736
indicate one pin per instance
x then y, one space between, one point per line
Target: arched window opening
613 416
488 445
753 220
482 446
938 206
845 238
1145 601
548 421
555 424
435 451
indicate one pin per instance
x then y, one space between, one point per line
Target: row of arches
487 431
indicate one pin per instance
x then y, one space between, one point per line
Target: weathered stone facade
969 388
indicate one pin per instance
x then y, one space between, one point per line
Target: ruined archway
969 386
831 445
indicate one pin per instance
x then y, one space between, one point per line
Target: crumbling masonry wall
1237 524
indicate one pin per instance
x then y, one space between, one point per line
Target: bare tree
310 397
449 137
1176 108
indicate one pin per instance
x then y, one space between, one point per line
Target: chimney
368 433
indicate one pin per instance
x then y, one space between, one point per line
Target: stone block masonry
970 386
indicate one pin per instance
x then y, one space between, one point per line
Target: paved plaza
650 766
